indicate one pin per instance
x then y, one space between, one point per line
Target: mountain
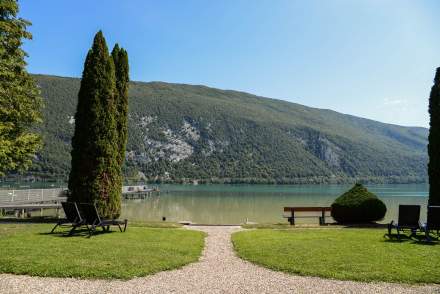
183 132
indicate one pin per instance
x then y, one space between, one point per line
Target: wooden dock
138 192
137 195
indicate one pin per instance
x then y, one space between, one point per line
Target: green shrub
358 205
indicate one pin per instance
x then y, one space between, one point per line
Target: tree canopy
434 142
120 59
96 172
20 103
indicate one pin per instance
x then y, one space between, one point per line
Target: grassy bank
142 250
345 254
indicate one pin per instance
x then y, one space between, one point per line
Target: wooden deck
21 202
32 196
30 206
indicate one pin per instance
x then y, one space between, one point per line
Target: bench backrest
89 213
71 211
409 215
433 217
307 209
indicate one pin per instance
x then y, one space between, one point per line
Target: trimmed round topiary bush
358 205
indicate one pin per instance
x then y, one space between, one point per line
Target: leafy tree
434 142
96 174
20 103
120 59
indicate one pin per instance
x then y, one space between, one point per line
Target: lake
234 204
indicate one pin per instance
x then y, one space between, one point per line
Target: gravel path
219 271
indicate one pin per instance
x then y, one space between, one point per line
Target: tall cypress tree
20 101
434 142
120 59
96 174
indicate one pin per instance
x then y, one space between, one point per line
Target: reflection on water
233 204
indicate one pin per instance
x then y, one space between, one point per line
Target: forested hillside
183 132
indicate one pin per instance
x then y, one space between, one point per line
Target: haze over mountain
181 132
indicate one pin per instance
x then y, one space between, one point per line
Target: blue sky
370 58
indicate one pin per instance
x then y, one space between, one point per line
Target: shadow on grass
370 225
413 239
32 220
53 220
83 232
394 238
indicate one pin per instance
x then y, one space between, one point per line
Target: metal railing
32 196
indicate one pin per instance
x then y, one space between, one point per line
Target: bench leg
71 231
88 229
92 230
428 237
292 218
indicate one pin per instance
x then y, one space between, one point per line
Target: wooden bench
292 216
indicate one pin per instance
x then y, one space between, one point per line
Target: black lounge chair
92 218
73 217
433 222
409 216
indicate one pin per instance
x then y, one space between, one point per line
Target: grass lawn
141 250
345 254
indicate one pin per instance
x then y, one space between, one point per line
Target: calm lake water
233 204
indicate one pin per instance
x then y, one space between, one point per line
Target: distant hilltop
186 133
